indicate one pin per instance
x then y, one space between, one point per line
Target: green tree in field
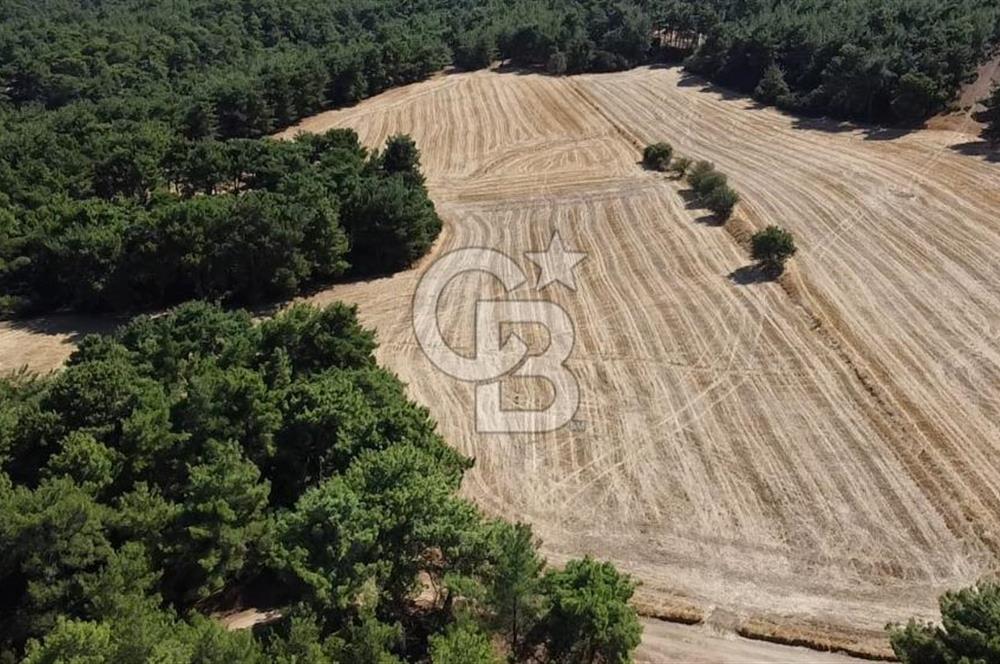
705 184
772 247
721 200
969 632
657 156
589 619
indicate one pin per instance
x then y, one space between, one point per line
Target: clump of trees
134 165
198 454
712 189
878 61
237 220
969 630
657 156
772 247
572 37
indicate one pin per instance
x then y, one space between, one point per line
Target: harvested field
815 457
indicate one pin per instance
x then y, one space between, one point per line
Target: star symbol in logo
557 263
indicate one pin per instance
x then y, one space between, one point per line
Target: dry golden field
807 459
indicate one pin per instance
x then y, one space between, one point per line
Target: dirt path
814 458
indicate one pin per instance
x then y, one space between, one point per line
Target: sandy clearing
819 452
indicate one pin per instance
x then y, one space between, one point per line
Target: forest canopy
134 165
197 455
872 60
132 130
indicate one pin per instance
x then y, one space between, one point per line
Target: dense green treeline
108 110
241 220
101 103
883 60
196 454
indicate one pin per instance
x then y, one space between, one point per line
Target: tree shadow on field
887 133
751 274
689 80
508 67
691 201
870 132
982 149
667 65
73 326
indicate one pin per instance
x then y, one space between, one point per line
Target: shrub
721 201
656 157
680 166
709 182
772 247
699 171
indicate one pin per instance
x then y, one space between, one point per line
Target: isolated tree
589 619
657 156
772 86
969 631
772 247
